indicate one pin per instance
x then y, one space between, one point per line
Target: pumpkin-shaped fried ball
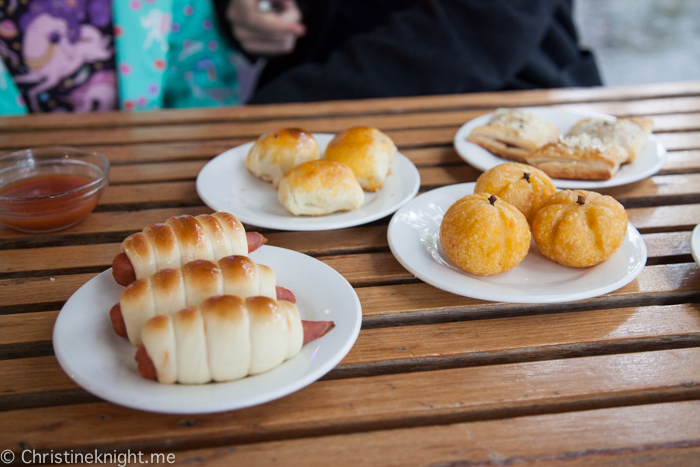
579 228
275 152
484 235
521 185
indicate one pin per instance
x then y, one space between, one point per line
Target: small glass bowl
49 189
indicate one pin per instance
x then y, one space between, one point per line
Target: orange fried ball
521 185
484 235
579 228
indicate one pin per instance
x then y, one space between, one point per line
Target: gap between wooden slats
355 107
39 381
396 126
661 248
650 435
676 161
105 227
372 403
407 300
654 191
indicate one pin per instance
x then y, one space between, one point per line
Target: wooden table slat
359 108
650 435
460 394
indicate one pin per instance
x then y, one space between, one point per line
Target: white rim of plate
695 244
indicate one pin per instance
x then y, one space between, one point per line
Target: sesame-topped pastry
514 133
521 185
580 157
276 152
630 133
367 151
320 187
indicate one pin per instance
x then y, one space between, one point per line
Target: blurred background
642 41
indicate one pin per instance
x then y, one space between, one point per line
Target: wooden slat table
434 378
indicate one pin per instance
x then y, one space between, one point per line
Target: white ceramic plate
414 239
225 184
649 161
102 363
695 244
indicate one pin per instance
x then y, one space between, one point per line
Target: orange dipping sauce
43 186
40 212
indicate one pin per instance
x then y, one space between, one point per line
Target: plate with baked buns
576 148
415 240
103 363
287 180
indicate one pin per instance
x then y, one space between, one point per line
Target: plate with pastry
260 331
290 179
476 245
576 148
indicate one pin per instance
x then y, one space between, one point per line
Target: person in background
96 55
348 49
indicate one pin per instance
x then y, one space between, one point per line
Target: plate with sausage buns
202 335
478 245
290 179
576 148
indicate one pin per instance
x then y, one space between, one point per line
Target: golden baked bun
579 228
276 152
367 151
320 187
520 185
484 235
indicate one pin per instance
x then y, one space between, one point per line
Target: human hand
271 32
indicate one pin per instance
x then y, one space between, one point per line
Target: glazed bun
367 151
276 152
320 187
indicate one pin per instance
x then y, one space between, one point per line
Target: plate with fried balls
414 238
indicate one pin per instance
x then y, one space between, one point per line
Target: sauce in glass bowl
49 189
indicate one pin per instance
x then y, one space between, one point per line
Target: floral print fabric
92 55
59 54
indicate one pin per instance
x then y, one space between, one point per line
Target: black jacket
385 48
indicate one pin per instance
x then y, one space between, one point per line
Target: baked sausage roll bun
514 133
170 290
631 133
367 151
182 239
274 153
223 339
320 187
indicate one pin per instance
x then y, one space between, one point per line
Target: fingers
272 32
